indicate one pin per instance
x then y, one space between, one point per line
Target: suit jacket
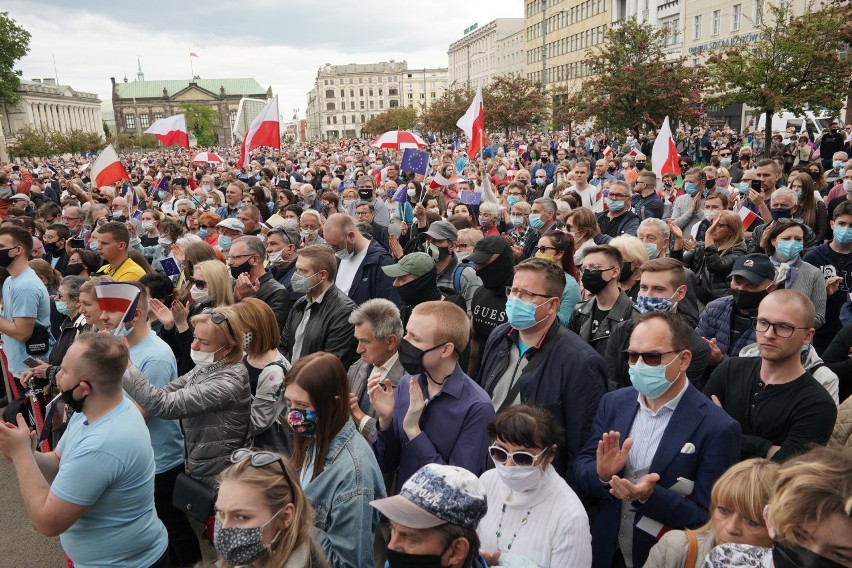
713 434
358 374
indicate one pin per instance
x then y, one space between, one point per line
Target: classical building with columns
45 105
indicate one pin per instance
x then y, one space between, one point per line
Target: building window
361 92
371 105
159 115
362 105
410 96
342 92
696 29
717 22
362 119
328 120
351 105
130 121
736 17
143 121
329 94
344 119
329 106
757 17
353 119
351 92
393 92
370 92
381 91
381 103
394 103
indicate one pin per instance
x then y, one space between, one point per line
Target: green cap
416 263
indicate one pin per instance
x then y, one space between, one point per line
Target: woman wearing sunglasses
262 516
558 248
532 512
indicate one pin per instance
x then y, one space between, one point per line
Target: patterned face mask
241 546
303 422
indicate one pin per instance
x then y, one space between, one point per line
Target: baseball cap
443 230
416 263
754 267
487 246
231 223
435 495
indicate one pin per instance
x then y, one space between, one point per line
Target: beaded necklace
499 532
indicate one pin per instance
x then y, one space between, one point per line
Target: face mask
411 192
50 248
540 181
199 296
593 281
648 304
521 314
799 557
344 253
275 258
625 165
790 249
308 234
62 308
462 255
224 242
690 188
516 220
725 162
780 213
814 176
209 201
122 330
743 187
241 546
202 359
519 478
847 185
407 560
640 165
68 398
309 179
652 250
365 194
837 164
435 210
309 197
163 242
842 235
710 214
147 226
74 269
544 256
513 199
626 272
324 185
723 182
411 356
303 422
5 259
614 205
536 221
745 300
745 157
301 284
241 269
650 381
611 169
347 203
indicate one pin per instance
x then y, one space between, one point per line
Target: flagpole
117 329
191 70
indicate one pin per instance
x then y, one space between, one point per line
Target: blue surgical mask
535 221
837 164
743 187
210 202
789 249
690 188
62 308
614 205
725 162
93 245
521 314
161 194
517 220
224 242
650 381
122 330
842 235
202 232
513 199
652 250
648 304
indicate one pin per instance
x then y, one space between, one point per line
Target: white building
47 106
422 87
482 52
664 14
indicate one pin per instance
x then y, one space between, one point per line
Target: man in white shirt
588 193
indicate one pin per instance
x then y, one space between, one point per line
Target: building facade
422 87
510 53
476 57
137 104
44 105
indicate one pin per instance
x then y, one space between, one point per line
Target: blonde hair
745 488
43 270
218 280
229 332
735 226
631 248
454 327
472 236
256 316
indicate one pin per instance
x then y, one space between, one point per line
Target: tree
14 44
793 65
442 114
202 122
513 102
31 143
634 83
393 119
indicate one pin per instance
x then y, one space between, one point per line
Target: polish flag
440 181
608 151
118 297
171 130
264 131
473 124
107 169
748 217
664 156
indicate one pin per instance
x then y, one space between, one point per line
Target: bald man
359 261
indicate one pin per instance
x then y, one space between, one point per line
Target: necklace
499 532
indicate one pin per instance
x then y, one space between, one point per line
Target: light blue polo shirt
157 362
24 296
109 467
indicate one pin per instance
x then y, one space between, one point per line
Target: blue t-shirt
157 362
24 296
109 467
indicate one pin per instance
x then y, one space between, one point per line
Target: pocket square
688 448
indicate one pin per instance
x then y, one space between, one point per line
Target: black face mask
240 269
593 281
745 300
710 184
365 194
814 176
626 271
799 557
74 269
421 289
119 218
5 258
411 356
68 398
406 560
496 275
51 248
544 159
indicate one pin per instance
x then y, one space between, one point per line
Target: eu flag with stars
415 161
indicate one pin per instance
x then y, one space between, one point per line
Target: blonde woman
634 255
467 239
736 516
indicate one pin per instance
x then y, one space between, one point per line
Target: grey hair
254 245
659 224
782 191
187 240
72 284
313 212
622 184
490 207
186 202
382 315
547 203
563 207
367 179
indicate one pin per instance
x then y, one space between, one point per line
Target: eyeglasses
782 330
616 196
651 358
217 318
523 459
594 268
261 459
545 248
200 284
524 294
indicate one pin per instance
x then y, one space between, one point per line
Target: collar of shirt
670 405
319 299
384 369
453 385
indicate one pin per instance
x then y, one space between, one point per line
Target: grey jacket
213 405
358 375
673 547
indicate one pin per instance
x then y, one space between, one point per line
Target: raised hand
382 398
610 458
416 405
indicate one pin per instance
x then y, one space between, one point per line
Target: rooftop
154 89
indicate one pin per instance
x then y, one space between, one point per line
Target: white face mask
518 478
847 185
710 214
274 258
148 226
199 296
203 359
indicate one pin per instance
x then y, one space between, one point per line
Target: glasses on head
261 459
525 295
782 330
218 318
650 358
520 458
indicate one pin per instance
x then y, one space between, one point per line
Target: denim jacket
345 523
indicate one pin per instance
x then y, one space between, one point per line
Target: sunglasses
261 459
523 459
541 248
218 318
200 284
650 358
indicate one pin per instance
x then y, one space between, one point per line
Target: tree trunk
767 136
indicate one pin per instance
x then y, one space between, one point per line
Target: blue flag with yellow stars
415 161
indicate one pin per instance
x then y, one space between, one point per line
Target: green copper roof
154 89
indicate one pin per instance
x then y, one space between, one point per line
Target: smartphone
32 362
756 185
78 243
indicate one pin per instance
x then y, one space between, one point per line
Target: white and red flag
118 297
664 156
171 130
107 168
473 124
264 131
748 217
440 181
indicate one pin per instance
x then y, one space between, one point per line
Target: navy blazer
696 420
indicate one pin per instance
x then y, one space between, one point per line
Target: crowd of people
558 359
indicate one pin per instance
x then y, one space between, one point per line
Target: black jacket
328 329
581 321
274 294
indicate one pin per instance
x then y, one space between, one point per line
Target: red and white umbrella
208 157
399 139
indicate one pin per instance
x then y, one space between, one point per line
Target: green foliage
31 143
34 143
793 65
442 114
633 83
144 141
513 102
107 132
14 44
393 119
202 122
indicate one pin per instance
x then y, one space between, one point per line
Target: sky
281 43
